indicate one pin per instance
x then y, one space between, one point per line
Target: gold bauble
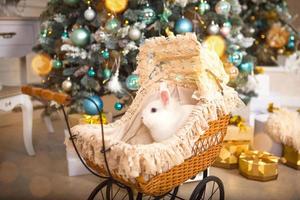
41 64
116 6
216 43
277 36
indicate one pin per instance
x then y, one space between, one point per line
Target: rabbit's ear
164 94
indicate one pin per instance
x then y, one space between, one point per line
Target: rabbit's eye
153 110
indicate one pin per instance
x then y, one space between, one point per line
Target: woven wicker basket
166 58
206 151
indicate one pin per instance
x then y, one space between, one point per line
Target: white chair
11 97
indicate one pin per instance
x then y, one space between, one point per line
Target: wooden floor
44 176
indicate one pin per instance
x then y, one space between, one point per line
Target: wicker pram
156 64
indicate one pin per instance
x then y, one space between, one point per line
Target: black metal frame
110 180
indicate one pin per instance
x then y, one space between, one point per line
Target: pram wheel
169 196
111 190
210 188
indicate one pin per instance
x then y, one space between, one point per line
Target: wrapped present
258 165
230 152
75 119
291 157
236 133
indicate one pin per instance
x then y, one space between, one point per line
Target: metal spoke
102 194
125 196
213 193
117 193
213 187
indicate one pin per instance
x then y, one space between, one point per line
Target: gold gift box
292 157
75 119
236 133
230 152
258 165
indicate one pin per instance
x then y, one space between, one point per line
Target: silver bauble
89 14
223 7
134 33
67 85
213 29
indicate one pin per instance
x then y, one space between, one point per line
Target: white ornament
213 28
123 32
67 85
73 51
241 40
89 14
129 47
59 18
101 36
183 3
134 33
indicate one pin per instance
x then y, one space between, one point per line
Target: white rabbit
165 116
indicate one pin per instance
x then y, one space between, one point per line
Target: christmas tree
89 47
269 22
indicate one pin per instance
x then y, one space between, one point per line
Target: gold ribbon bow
259 70
238 121
94 119
232 149
272 108
258 163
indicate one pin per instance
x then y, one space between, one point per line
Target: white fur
166 120
284 126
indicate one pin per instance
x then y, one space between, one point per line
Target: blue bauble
183 25
223 7
80 37
291 43
106 73
90 108
118 106
235 58
246 67
105 54
65 35
91 72
57 64
132 82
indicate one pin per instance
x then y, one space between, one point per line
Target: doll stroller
130 167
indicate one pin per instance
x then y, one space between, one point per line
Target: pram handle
47 95
65 100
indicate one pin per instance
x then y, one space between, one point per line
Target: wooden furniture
10 97
17 37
